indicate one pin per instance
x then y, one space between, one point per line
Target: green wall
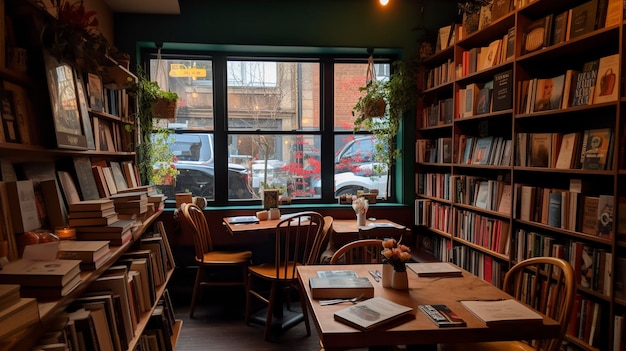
304 26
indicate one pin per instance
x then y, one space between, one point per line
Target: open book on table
435 269
372 313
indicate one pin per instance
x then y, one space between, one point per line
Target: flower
360 205
396 254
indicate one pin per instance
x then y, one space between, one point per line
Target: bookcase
523 156
56 116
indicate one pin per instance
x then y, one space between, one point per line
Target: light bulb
384 2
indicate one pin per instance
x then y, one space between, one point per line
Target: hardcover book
537 35
372 313
49 273
502 96
607 82
582 19
597 149
340 287
503 312
435 269
585 83
86 180
540 149
92 205
482 150
549 93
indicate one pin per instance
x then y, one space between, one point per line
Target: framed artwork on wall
64 103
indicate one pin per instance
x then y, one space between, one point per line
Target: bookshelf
548 196
53 122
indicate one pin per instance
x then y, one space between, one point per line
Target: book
340 287
549 93
55 207
243 219
482 150
582 19
540 150
605 216
342 273
24 213
23 110
18 315
559 28
450 319
132 196
537 35
91 205
118 175
85 222
9 294
9 118
597 149
502 96
589 219
503 312
614 16
569 87
92 214
372 313
435 269
483 104
86 251
70 192
86 181
607 80
567 153
46 273
500 8
585 83
118 226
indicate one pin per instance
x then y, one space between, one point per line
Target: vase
400 280
360 219
387 275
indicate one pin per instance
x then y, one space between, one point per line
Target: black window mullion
221 129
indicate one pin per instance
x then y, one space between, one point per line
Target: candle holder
65 233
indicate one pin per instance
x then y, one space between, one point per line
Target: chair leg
270 311
196 287
248 299
305 312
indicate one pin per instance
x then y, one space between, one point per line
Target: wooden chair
555 302
324 240
359 251
207 258
296 236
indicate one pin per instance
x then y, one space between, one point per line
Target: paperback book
373 313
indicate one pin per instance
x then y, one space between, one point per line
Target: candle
66 233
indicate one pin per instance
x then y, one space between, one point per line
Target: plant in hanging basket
164 107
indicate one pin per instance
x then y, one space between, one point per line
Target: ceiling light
384 2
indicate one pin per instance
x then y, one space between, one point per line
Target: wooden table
421 330
349 226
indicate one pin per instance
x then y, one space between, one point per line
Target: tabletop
421 330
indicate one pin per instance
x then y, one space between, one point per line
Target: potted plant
74 37
400 93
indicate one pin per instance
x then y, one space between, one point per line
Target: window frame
327 134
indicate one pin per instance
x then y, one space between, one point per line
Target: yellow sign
180 70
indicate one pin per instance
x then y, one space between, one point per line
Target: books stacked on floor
16 312
92 254
131 203
45 279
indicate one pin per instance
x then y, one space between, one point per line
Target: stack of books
16 312
89 213
131 203
92 254
44 280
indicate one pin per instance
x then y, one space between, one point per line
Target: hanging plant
400 94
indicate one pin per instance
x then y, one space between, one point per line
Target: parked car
199 179
355 169
275 173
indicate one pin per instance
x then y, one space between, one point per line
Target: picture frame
84 112
64 103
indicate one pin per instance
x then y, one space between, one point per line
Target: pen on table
376 278
378 274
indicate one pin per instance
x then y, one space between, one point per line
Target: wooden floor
218 324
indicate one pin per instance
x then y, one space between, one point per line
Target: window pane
287 162
273 96
355 168
193 158
349 77
192 80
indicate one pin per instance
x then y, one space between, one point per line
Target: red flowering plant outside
396 254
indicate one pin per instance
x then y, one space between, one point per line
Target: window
266 128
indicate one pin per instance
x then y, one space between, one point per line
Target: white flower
360 205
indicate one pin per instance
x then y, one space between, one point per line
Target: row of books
591 149
434 184
490 233
586 322
434 150
488 194
479 264
438 114
592 265
566 209
433 214
481 98
480 58
16 312
435 245
594 83
488 150
569 24
440 75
